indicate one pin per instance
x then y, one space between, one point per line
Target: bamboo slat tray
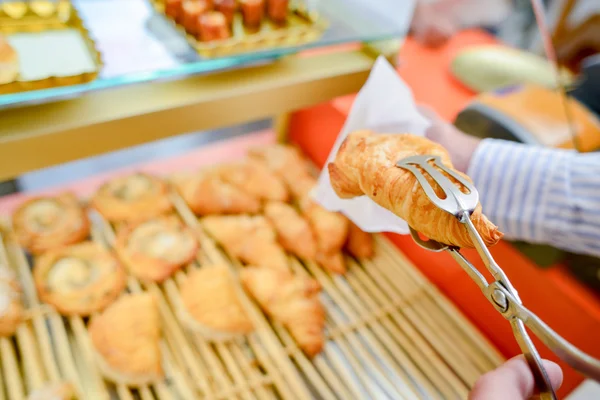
301 28
390 333
39 17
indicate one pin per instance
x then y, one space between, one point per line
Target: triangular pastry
153 250
211 304
366 165
255 179
251 239
44 223
126 338
293 231
290 300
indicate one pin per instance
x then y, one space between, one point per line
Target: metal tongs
500 292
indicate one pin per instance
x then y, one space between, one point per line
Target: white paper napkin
384 104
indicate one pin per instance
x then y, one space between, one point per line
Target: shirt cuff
513 182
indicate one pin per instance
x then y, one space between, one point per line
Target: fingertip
555 373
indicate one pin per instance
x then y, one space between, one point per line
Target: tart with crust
126 339
11 306
80 279
153 250
44 223
132 198
211 304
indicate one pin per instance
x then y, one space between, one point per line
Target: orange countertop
565 304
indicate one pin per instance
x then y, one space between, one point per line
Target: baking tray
303 26
390 334
43 16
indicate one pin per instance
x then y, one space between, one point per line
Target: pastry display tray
54 47
302 27
390 333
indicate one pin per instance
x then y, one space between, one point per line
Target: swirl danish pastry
132 198
11 306
44 223
80 279
153 250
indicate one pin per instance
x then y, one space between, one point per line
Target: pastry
191 10
277 10
252 12
54 391
153 250
330 230
366 165
206 193
44 223
227 8
213 25
173 9
293 231
126 338
255 179
287 163
290 300
132 198
251 239
79 279
9 62
211 304
11 306
359 243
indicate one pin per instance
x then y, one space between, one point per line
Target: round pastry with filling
11 307
212 306
132 198
80 279
153 250
44 223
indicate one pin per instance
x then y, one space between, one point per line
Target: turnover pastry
256 179
331 231
55 391
11 307
153 250
211 304
45 223
126 337
291 300
366 165
359 243
132 198
288 164
80 279
293 231
206 193
251 239
9 62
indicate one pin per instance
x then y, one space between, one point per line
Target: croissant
291 300
366 165
359 243
293 231
254 178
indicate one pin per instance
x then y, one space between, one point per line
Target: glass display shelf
139 45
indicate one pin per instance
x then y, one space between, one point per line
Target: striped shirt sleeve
540 195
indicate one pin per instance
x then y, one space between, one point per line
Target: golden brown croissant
45 223
291 300
126 337
331 231
366 164
153 250
206 193
256 179
293 231
251 239
11 306
211 304
359 243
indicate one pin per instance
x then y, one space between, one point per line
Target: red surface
557 298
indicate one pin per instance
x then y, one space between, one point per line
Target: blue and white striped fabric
540 195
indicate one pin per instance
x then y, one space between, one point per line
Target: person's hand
513 381
460 145
430 27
